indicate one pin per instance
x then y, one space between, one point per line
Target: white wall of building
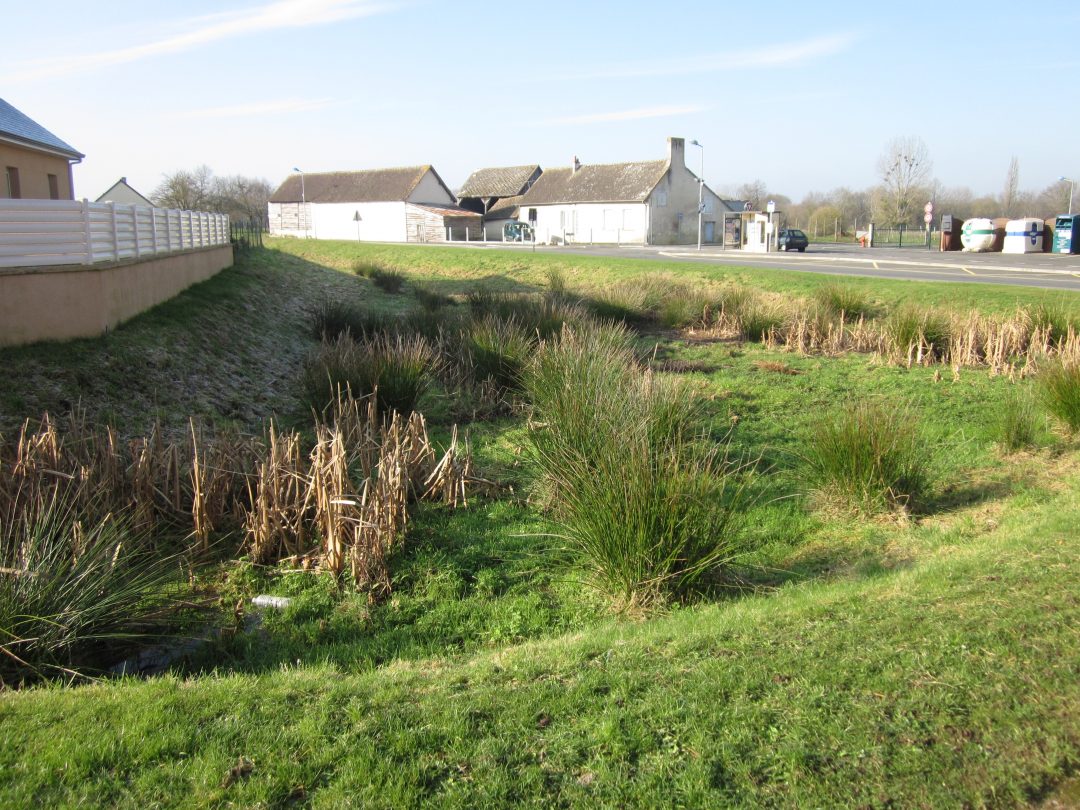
379 221
602 223
430 190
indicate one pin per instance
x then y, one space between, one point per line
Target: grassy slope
954 682
851 690
226 351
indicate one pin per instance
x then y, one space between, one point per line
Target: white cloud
213 28
665 111
771 56
285 105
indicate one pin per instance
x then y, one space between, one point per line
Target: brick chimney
676 152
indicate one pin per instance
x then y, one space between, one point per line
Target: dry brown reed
344 503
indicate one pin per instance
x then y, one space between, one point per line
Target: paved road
1047 270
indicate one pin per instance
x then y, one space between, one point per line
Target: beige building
36 165
651 202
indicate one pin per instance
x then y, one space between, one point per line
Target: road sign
771 207
928 208
928 218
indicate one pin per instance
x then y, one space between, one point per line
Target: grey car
792 239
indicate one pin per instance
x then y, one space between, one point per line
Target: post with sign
928 217
771 237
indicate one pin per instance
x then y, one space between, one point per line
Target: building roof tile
504 181
371 185
610 182
21 127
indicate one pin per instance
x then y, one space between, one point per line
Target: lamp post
303 199
1072 185
701 192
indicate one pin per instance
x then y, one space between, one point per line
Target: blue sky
804 96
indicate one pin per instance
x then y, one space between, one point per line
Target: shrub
871 457
1059 389
399 367
687 306
1056 319
498 351
758 318
390 281
650 510
911 330
837 298
1018 425
72 588
431 300
556 282
331 319
542 316
632 300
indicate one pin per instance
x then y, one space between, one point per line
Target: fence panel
40 233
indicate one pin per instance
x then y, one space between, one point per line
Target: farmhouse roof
506 208
21 128
610 182
446 210
371 185
504 181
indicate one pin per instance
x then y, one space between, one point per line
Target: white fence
36 233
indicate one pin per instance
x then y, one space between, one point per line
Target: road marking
968 271
875 265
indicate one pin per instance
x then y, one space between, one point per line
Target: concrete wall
34 170
678 192
379 221
61 303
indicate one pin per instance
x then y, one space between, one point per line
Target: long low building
410 204
651 202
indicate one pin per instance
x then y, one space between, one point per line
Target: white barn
409 204
646 203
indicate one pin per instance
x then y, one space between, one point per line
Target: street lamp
701 192
1072 185
303 199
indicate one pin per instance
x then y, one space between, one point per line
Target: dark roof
19 127
506 208
611 182
372 185
505 181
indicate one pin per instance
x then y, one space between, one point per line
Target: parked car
792 239
517 232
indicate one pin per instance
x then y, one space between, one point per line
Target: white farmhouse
646 203
494 192
410 204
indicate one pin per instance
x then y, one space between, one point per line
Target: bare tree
756 193
242 198
905 168
187 190
1011 190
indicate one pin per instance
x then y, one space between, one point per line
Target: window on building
627 219
54 187
661 199
13 189
611 219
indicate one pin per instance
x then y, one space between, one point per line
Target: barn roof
446 210
609 182
17 126
371 185
506 208
504 181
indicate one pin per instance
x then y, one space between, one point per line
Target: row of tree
906 185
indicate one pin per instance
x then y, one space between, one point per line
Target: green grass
850 661
911 689
1059 388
